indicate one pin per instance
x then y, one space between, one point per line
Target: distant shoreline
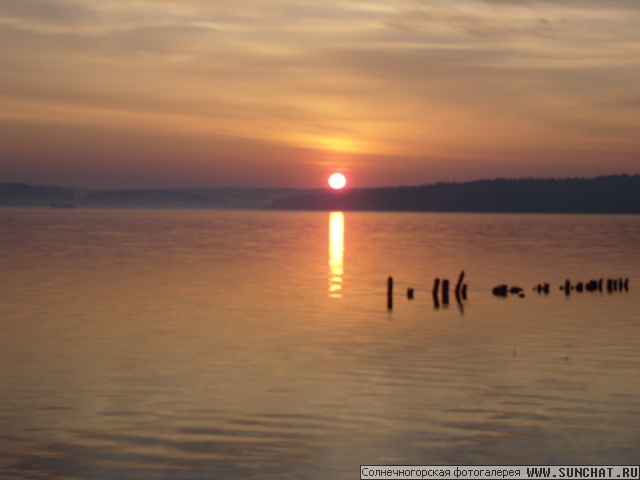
616 194
18 195
604 195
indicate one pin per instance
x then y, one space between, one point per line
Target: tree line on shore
605 194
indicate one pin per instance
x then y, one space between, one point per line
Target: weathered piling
459 284
445 292
390 293
626 285
609 285
410 293
500 290
436 286
517 291
459 303
542 288
464 291
567 286
459 300
579 287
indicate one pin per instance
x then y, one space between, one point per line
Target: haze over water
257 344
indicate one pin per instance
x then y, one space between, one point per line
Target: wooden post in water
459 284
434 292
445 292
464 291
390 293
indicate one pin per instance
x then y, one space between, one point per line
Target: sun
337 181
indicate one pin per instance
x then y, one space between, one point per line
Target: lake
257 344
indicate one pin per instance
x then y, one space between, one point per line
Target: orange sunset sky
280 93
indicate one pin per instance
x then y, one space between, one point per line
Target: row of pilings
439 292
612 285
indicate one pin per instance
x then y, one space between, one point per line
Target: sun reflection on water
336 253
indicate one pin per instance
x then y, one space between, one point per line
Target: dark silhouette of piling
459 302
410 293
567 287
542 288
390 293
600 284
579 287
500 290
445 292
434 292
591 286
459 284
626 285
436 285
609 285
464 291
457 292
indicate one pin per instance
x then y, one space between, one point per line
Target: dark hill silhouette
606 194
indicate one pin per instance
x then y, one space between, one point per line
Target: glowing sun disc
337 181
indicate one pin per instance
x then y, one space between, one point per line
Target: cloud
45 14
418 79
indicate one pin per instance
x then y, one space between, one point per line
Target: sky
281 93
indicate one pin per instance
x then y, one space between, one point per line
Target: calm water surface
226 344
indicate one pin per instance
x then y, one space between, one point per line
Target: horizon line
441 182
